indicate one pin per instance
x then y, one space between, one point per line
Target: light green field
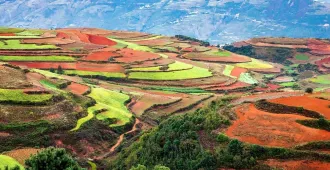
37 58
150 38
18 96
133 45
322 79
302 57
218 53
247 78
172 67
6 161
114 103
92 73
227 71
30 33
90 115
195 72
19 37
288 84
93 165
255 64
47 73
10 30
171 49
16 45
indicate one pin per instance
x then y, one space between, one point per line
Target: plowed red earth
130 56
7 34
298 164
237 71
82 37
62 35
101 56
236 85
106 67
95 39
78 89
318 47
320 63
269 87
269 129
272 95
310 103
45 65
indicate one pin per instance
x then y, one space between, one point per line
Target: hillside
119 99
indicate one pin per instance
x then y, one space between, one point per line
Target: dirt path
120 140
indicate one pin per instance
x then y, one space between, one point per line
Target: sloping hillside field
119 99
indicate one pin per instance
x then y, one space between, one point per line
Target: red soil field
298 164
78 89
45 65
62 35
317 45
22 154
237 71
7 34
101 56
4 134
106 67
269 129
35 90
259 96
320 63
130 56
82 37
233 86
95 39
269 87
171 55
310 103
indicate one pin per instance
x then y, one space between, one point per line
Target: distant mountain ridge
217 21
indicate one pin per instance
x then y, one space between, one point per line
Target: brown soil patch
78 89
298 164
309 103
269 129
131 56
106 67
4 134
22 154
12 78
101 56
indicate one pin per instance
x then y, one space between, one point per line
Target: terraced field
95 92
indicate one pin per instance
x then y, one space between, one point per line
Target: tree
235 147
59 70
52 158
309 90
161 167
52 70
139 167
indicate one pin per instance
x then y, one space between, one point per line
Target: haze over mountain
218 21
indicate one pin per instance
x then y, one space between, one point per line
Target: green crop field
150 38
91 111
134 46
322 79
47 73
247 78
37 58
288 84
114 103
171 67
16 45
227 71
10 30
6 161
176 89
301 57
255 64
92 73
195 72
18 96
19 37
30 33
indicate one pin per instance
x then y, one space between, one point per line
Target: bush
52 158
309 90
222 138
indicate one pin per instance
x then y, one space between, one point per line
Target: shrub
52 158
222 138
309 90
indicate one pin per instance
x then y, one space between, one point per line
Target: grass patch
16 45
195 72
302 57
37 58
19 97
30 33
255 64
94 74
288 84
227 71
322 79
150 38
93 165
6 161
218 53
90 115
47 73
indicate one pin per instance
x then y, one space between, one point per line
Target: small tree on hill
309 90
52 70
60 70
52 158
